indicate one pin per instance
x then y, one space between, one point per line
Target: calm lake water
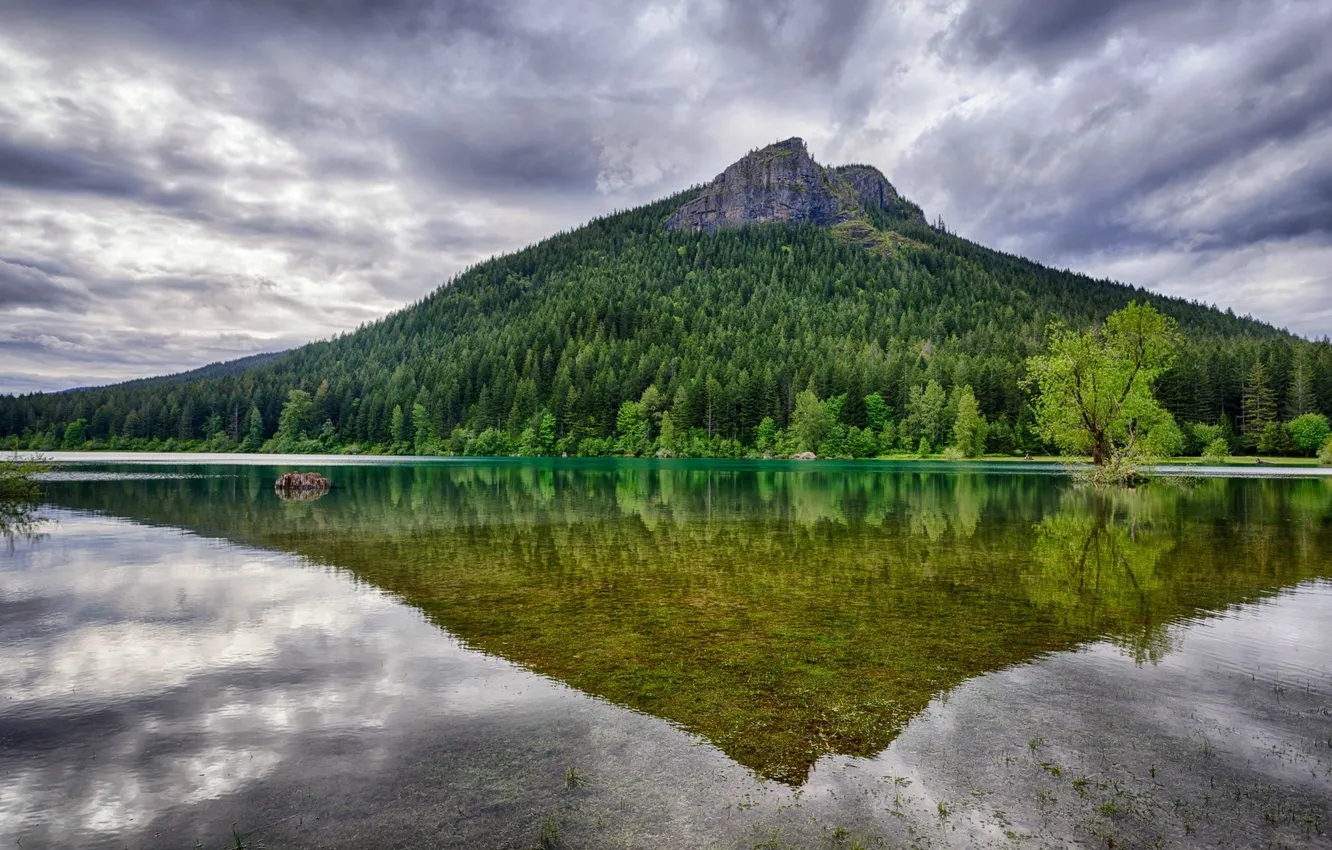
517 654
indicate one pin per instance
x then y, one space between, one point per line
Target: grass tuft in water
549 837
573 779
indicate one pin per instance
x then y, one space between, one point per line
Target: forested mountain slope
216 369
714 323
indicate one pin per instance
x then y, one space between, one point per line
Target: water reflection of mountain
781 614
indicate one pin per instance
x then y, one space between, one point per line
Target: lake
692 654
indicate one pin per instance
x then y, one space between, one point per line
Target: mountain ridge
213 369
716 328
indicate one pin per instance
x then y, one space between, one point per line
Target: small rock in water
805 456
305 482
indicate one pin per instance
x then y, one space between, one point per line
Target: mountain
702 324
216 369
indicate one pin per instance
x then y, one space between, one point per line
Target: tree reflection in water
20 521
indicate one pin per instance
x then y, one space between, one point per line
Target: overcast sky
184 181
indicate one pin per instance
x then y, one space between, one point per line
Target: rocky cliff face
783 183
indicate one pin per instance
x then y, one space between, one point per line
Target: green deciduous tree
292 422
667 441
632 429
862 442
1094 389
876 411
546 433
765 435
1309 432
76 434
888 437
811 420
969 426
492 442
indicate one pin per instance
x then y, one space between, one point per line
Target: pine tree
254 436
424 432
546 433
1259 405
1300 396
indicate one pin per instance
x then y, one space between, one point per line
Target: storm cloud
195 180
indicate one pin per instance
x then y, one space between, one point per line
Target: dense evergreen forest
621 337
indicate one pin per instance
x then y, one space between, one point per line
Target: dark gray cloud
231 176
1302 207
225 26
1136 145
1052 33
38 168
35 285
522 146
808 39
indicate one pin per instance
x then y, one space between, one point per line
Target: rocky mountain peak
782 182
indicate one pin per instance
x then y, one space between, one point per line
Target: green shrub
1217 450
1202 436
17 478
491 442
1309 431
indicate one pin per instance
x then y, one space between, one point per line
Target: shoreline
1245 467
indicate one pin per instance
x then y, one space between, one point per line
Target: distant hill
217 369
708 312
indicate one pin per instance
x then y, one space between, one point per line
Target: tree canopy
1095 388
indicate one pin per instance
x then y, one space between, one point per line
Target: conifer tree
423 430
1300 396
254 431
1259 405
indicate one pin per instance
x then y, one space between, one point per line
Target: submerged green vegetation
18 478
624 338
19 493
782 612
